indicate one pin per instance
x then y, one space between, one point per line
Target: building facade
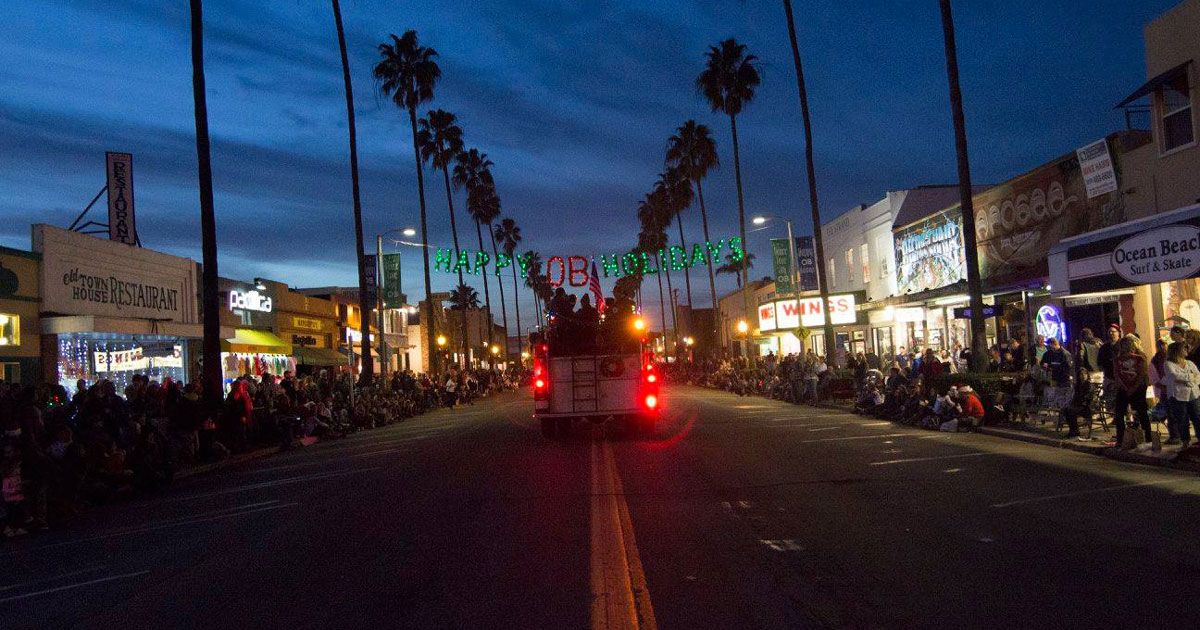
20 328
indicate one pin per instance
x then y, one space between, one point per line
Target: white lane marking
271 484
785 544
826 428
71 586
932 459
53 578
876 424
202 517
952 470
858 437
1067 495
374 453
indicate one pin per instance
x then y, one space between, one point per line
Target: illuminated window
1177 130
10 330
850 265
832 274
865 257
880 248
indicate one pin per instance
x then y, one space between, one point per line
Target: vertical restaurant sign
122 224
392 294
806 263
1098 175
781 256
931 254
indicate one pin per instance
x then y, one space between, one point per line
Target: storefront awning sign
1159 255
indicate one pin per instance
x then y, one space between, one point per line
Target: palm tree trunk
818 240
454 232
662 304
670 290
712 281
487 300
974 287
737 172
364 301
517 306
687 274
428 324
500 283
211 348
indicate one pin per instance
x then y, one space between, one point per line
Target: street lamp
379 284
826 323
743 327
441 340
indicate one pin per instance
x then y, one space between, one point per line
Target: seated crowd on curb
61 453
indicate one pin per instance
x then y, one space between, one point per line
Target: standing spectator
1130 380
1017 362
1088 355
239 412
1057 364
1182 384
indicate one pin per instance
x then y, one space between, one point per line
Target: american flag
594 287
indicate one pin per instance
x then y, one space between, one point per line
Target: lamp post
379 284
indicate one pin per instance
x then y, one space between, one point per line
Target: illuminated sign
1050 324
930 254
791 314
573 270
249 301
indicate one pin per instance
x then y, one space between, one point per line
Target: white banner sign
790 314
122 226
134 359
1096 164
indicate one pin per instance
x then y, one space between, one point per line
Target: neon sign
573 270
249 300
1050 324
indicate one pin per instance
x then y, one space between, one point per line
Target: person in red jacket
239 411
972 406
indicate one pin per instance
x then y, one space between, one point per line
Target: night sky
572 100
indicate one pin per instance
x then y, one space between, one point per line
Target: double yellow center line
620 599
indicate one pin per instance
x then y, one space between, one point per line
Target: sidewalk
1037 432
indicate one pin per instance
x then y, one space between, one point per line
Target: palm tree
974 288
677 196
440 140
818 240
651 240
533 281
472 170
693 150
655 216
509 235
739 269
464 298
407 73
211 349
728 82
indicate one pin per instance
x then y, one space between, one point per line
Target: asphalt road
742 513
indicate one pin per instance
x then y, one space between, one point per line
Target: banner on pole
393 295
781 255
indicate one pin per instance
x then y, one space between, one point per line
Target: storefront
310 325
111 310
790 326
20 334
1139 275
253 349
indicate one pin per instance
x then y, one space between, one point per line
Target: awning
1159 248
255 342
318 356
1153 84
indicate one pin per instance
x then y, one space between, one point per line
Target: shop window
10 330
11 372
1177 128
865 257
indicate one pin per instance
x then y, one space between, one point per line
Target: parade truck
612 383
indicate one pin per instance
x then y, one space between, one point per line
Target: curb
241 458
1103 451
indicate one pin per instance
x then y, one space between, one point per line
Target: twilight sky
572 100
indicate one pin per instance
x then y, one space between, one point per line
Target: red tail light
651 401
539 384
651 378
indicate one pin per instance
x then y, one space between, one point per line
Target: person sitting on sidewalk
1080 405
970 407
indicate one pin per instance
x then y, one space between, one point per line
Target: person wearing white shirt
1181 379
